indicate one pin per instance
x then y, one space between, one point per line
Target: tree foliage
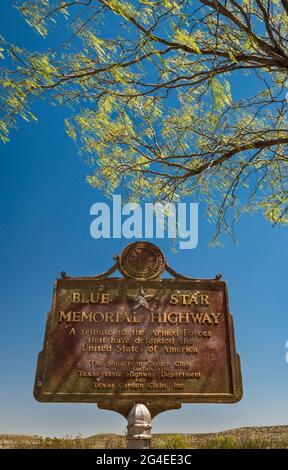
171 98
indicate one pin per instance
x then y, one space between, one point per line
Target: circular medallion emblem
141 260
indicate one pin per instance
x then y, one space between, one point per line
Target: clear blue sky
45 221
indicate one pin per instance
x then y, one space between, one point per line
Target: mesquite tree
170 98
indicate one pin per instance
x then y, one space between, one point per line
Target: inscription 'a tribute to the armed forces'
139 337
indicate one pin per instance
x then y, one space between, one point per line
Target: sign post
139 342
139 427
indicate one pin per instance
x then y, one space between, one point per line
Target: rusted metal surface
116 341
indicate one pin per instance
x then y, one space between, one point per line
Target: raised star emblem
141 299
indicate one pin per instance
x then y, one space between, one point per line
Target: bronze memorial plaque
139 338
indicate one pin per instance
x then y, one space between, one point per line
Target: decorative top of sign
141 261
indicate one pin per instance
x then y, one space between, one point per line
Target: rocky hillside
249 438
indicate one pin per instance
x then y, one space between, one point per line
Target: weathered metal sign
121 340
